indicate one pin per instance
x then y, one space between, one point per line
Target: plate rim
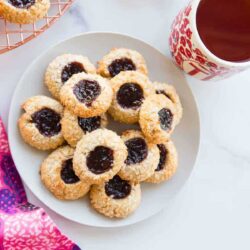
16 90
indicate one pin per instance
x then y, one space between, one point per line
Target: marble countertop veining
212 210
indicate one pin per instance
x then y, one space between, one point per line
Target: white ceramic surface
186 136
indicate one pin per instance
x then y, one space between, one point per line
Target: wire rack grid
15 35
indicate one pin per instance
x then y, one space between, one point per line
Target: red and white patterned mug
191 54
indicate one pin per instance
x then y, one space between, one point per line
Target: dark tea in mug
224 28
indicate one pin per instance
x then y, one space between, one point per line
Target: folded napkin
23 226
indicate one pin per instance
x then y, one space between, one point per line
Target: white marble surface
212 210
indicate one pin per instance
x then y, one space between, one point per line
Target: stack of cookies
89 157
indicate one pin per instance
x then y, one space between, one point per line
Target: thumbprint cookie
58 175
167 164
40 125
99 156
121 59
170 92
62 68
116 198
86 95
74 127
157 118
23 11
130 89
142 158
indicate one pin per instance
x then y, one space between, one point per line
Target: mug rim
195 4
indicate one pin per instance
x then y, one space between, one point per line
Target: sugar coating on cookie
142 159
40 125
157 118
75 127
130 90
23 12
167 164
99 156
121 59
62 68
116 198
170 92
86 95
58 175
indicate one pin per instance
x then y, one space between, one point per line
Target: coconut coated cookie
58 175
157 118
23 11
40 125
116 198
170 92
86 95
167 164
74 127
130 90
142 159
121 59
99 156
62 68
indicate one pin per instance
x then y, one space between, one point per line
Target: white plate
186 136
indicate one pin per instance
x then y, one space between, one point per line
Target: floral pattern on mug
187 54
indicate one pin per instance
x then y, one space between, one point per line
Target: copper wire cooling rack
15 35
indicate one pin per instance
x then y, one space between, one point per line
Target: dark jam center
130 95
100 160
163 157
22 4
166 118
158 92
86 91
118 65
89 124
137 150
47 122
68 174
117 188
70 70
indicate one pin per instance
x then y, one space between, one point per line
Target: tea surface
224 28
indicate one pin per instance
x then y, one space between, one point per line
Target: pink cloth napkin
23 225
